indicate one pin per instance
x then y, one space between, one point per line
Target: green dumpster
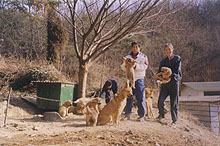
51 95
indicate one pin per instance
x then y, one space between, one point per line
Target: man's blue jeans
139 92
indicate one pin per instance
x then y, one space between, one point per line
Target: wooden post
6 112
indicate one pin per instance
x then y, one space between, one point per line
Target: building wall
208 113
186 91
214 114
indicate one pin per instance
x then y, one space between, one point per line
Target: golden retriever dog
63 110
149 107
91 116
114 108
164 75
129 72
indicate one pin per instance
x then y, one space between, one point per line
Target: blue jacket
114 87
174 64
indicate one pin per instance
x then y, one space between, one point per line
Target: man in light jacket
139 91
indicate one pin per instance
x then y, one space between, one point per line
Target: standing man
110 84
172 88
139 91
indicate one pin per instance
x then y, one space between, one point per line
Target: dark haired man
139 91
110 84
172 88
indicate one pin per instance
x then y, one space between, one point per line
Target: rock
36 128
187 129
52 116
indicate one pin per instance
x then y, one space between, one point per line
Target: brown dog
91 116
94 103
114 108
81 105
149 107
129 72
63 110
72 109
80 108
164 75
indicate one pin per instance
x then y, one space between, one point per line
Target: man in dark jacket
172 88
110 84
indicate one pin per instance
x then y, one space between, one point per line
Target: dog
114 108
81 104
129 72
164 75
80 108
94 103
72 109
64 109
91 116
149 106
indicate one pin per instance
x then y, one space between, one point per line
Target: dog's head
149 92
68 103
129 62
166 70
127 91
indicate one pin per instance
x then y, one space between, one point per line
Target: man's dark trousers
172 89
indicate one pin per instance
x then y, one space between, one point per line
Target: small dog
80 108
94 103
91 116
149 107
81 104
164 75
64 109
72 109
129 65
114 108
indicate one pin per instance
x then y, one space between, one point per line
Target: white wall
186 91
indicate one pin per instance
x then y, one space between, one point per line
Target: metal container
51 95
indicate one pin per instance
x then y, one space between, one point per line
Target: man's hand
116 94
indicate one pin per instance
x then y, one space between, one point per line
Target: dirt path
34 130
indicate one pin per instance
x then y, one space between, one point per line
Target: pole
6 112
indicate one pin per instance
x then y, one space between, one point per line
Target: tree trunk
83 72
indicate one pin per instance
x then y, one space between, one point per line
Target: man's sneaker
140 119
126 117
173 124
160 117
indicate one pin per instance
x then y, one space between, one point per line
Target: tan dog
149 107
164 75
80 108
81 105
63 110
72 109
94 104
129 65
91 116
114 108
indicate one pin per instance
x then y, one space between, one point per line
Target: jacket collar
133 55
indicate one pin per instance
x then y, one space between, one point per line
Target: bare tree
96 25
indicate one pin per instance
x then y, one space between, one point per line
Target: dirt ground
26 126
